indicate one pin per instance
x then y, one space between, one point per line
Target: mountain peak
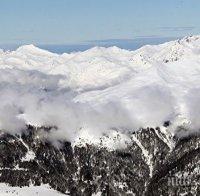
192 38
32 49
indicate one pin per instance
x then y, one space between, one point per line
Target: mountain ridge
105 121
147 165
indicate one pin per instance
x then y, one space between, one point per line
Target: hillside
106 121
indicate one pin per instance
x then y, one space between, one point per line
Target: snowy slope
102 88
44 190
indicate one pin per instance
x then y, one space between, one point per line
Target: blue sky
76 21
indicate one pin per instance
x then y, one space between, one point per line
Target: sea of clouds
32 97
35 98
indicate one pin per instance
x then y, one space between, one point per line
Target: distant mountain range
129 44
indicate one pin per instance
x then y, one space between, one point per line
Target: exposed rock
154 163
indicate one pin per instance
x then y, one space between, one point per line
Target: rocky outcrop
153 163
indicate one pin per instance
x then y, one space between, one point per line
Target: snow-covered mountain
139 88
105 121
